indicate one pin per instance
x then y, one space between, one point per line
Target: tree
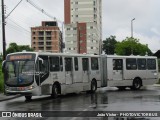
109 45
132 46
13 47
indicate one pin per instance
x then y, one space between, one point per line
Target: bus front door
85 68
117 69
69 70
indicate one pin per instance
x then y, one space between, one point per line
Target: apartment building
83 26
47 37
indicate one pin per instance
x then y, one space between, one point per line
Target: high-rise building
47 38
83 26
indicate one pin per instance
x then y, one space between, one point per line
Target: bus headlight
30 87
6 87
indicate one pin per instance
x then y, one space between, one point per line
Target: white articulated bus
129 71
40 73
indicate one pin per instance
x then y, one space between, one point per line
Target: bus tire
54 91
93 86
137 83
121 87
28 97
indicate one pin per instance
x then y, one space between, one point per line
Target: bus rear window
151 64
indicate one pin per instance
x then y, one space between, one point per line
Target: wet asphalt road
105 99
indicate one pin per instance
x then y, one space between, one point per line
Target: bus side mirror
41 60
3 65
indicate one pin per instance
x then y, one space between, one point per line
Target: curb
156 85
10 98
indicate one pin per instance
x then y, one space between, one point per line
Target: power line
19 26
43 11
13 10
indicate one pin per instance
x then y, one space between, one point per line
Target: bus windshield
19 73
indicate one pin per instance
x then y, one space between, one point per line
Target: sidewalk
9 97
156 85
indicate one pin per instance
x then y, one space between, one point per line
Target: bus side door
85 68
77 71
117 69
69 70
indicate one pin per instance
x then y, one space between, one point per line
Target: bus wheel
121 87
136 84
54 91
28 98
93 86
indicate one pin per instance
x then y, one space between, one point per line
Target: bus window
117 64
85 64
43 64
61 64
141 64
54 64
151 64
76 63
131 64
94 64
68 64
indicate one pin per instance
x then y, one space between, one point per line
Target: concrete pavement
7 97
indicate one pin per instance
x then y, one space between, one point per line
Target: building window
48 38
41 38
48 43
48 33
95 16
76 15
91 27
76 2
94 3
33 33
68 28
41 33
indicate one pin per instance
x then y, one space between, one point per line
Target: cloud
154 30
116 19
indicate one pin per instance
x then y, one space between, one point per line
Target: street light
132 27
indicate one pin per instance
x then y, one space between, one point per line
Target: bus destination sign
21 57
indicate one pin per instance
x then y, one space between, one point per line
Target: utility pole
3 31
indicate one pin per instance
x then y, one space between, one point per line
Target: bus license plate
21 88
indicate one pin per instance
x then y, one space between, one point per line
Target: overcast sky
116 20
